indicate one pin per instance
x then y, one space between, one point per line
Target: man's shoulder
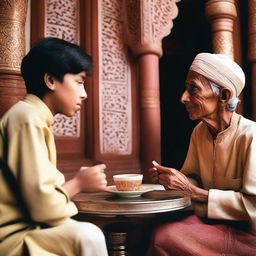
247 126
200 127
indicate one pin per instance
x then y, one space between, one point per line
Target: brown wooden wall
119 122
89 146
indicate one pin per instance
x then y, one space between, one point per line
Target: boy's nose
83 93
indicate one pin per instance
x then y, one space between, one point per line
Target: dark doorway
190 35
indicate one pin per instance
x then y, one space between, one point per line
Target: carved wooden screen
106 129
62 19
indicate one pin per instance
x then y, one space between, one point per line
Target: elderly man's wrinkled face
198 98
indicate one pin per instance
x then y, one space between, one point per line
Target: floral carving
147 22
12 33
114 64
13 9
67 126
61 21
116 136
115 86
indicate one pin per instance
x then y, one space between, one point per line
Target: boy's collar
45 111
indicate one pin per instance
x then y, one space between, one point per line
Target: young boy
35 205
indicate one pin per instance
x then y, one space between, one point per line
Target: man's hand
153 174
172 179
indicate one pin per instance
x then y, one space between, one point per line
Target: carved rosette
114 81
12 34
252 30
221 14
61 20
146 22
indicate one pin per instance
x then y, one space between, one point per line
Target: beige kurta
27 144
227 168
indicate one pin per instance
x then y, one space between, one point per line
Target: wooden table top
155 201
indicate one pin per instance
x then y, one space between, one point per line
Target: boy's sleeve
40 182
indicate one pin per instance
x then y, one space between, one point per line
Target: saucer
135 193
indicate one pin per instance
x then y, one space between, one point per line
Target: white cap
220 69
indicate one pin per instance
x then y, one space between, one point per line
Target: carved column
12 48
145 24
221 14
252 51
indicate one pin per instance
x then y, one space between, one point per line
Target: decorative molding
251 55
222 14
114 81
223 43
252 30
150 99
146 22
61 20
12 34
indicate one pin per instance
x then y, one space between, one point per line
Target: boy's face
69 94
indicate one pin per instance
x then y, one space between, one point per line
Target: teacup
128 182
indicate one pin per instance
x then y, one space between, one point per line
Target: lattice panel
115 97
114 66
115 134
67 126
115 86
62 22
112 9
61 19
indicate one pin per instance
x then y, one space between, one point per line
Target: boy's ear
49 81
225 95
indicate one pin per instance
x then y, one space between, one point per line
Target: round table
156 201
108 204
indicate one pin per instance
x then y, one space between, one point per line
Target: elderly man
219 170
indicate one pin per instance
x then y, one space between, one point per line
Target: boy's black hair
55 57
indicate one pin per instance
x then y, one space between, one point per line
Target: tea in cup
128 182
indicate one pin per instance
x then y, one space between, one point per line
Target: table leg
117 238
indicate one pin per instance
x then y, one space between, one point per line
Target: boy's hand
92 179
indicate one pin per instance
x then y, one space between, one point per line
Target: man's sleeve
232 205
190 167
